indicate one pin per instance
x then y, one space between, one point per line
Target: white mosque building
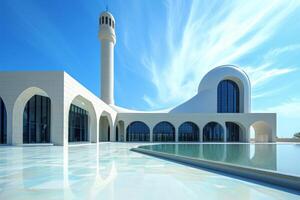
52 107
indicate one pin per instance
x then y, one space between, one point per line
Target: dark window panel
164 132
213 132
188 131
228 97
138 131
36 120
78 124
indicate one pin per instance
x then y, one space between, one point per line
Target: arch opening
138 132
82 120
262 132
213 132
78 124
228 97
104 128
3 123
234 132
188 131
164 132
37 120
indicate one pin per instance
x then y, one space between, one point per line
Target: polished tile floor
112 171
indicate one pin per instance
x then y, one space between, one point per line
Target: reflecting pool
112 171
282 158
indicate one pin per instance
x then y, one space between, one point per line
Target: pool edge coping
265 176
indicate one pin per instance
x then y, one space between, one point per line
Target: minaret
108 40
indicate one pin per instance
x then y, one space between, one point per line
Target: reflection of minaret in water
107 37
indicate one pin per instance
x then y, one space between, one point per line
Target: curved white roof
223 71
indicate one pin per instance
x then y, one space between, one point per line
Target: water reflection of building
263 156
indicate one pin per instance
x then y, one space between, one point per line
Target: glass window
3 120
228 97
102 19
164 132
213 132
138 131
36 120
188 131
109 21
233 132
78 124
106 20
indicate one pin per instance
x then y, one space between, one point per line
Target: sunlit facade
51 107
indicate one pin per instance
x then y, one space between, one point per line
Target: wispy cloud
265 72
213 33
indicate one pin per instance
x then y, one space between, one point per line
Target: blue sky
163 48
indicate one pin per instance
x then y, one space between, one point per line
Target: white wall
205 101
16 88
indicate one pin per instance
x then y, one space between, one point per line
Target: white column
176 134
200 133
225 132
151 131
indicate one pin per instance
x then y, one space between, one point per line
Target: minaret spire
107 37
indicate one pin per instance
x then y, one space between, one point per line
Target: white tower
108 41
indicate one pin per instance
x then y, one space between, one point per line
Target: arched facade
138 131
64 91
206 100
228 97
37 120
235 81
263 131
3 123
105 127
18 112
164 132
82 122
213 132
188 131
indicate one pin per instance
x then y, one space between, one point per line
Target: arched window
138 131
36 120
228 97
3 120
188 131
78 124
164 132
102 18
233 132
109 21
213 132
106 20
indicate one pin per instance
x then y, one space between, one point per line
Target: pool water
112 171
282 158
